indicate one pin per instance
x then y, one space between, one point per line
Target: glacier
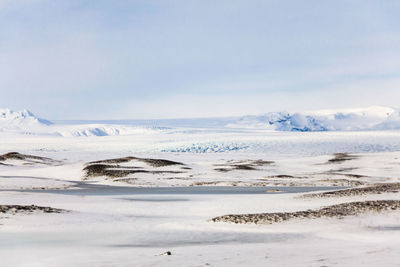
374 118
26 123
20 119
360 119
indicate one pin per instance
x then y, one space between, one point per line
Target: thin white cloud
71 59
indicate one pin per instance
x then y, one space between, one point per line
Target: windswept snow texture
372 118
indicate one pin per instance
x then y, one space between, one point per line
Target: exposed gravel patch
27 209
159 162
244 165
28 158
112 161
375 189
206 183
151 162
116 171
111 168
261 162
282 176
341 157
340 170
222 170
342 182
338 211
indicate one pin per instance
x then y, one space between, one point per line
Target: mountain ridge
371 118
20 119
357 119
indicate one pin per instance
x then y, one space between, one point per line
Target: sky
101 59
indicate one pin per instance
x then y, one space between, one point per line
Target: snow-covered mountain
21 120
372 118
362 119
100 130
25 122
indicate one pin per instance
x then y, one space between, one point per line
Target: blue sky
171 59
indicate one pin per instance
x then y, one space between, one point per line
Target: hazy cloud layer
151 59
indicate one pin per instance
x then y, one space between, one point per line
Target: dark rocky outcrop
27 209
339 210
368 190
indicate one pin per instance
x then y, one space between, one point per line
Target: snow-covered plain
107 226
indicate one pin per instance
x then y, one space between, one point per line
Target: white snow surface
108 229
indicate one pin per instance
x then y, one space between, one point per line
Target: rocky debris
349 175
246 165
186 168
283 176
159 162
27 209
151 162
375 189
29 159
222 169
116 171
342 182
206 183
111 168
112 161
262 162
338 211
354 175
341 157
340 170
230 183
177 178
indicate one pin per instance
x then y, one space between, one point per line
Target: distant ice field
185 142
275 135
359 119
